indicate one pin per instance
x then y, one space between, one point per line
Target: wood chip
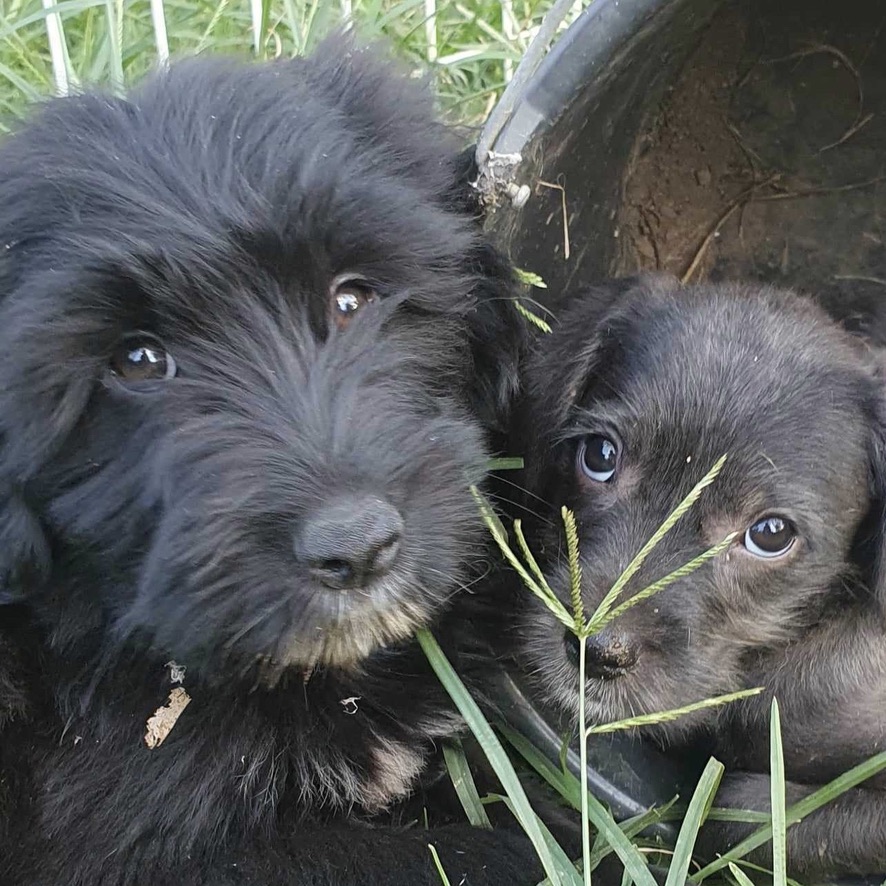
160 723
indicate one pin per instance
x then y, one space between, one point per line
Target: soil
768 158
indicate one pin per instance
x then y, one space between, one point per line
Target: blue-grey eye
597 457
770 537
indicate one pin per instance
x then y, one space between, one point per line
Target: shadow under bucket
712 139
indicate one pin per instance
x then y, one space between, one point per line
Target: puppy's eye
142 357
597 456
347 296
770 537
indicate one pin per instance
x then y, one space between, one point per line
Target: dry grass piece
160 723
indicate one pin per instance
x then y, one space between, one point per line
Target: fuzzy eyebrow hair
583 420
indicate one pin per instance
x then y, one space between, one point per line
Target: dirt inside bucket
768 159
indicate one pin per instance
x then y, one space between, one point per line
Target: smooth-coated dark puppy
250 344
642 387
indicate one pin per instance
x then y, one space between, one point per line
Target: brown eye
142 357
770 537
347 296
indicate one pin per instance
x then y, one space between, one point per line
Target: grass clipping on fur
161 722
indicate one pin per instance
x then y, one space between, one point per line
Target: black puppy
250 340
643 386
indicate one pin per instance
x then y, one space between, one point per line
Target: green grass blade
534 319
669 579
259 11
578 608
439 865
463 782
55 37
490 518
699 805
118 36
631 827
567 786
798 811
745 816
565 867
564 783
495 753
777 799
632 567
528 556
530 278
673 713
497 530
583 748
767 873
161 38
19 82
599 816
205 37
114 46
66 7
740 876
514 463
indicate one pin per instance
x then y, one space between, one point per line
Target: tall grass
470 47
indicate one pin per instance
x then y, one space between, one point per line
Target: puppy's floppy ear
24 549
565 364
562 365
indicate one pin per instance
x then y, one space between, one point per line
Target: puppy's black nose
607 655
349 542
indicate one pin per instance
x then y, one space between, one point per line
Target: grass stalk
463 782
699 805
56 39
438 865
583 753
671 521
496 756
672 714
797 812
161 37
115 46
431 29
777 799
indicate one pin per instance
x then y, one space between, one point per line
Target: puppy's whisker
260 619
520 488
521 506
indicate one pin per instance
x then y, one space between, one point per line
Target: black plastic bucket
710 139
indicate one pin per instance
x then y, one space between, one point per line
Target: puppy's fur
675 377
149 524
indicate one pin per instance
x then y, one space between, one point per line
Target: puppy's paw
743 791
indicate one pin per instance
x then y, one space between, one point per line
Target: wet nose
608 654
349 542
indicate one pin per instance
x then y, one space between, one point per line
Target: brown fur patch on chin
395 769
347 642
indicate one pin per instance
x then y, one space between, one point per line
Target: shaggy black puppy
250 340
643 386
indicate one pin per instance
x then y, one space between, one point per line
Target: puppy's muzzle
608 654
350 542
